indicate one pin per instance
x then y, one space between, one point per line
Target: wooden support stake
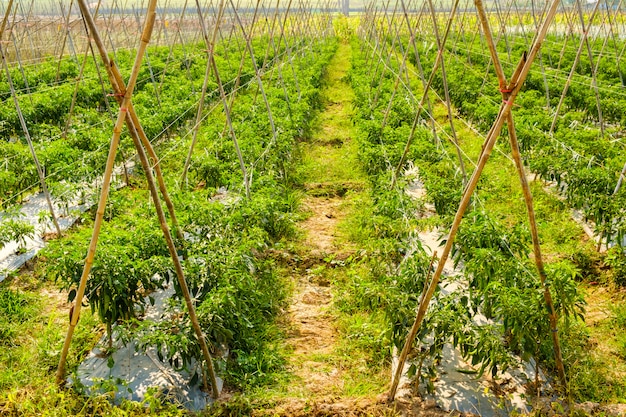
42 179
420 106
205 83
517 81
504 88
572 71
122 117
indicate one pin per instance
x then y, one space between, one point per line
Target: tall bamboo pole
106 182
572 71
42 179
210 52
282 36
256 69
420 106
139 139
517 80
205 83
594 81
418 63
125 103
444 78
66 24
134 127
504 88
78 81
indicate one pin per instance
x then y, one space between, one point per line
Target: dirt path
314 334
323 381
329 169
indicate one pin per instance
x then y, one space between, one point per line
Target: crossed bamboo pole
125 115
505 88
517 80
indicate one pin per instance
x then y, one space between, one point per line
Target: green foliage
17 230
616 259
16 308
130 264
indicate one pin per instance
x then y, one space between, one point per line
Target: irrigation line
517 80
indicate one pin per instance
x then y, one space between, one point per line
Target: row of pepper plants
583 162
72 148
228 241
494 313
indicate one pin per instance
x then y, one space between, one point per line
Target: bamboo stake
572 71
60 375
420 106
150 70
282 36
18 57
615 43
568 35
278 65
138 139
504 88
516 82
594 81
543 69
78 80
256 69
418 62
210 49
133 124
205 83
42 179
383 57
446 91
171 48
67 34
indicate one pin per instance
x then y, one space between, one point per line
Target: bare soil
317 387
313 334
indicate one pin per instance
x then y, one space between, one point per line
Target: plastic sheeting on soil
458 386
133 372
11 260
